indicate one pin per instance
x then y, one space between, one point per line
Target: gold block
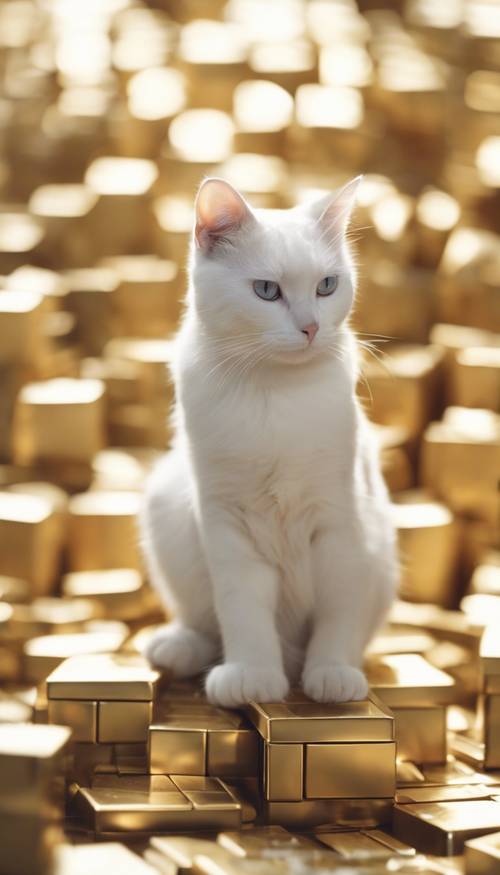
147 301
449 793
306 721
213 805
482 855
421 733
142 803
255 842
28 844
407 774
350 771
30 763
476 377
395 301
102 531
232 753
283 772
455 772
21 327
43 654
86 759
443 828
349 813
408 680
31 535
60 419
178 749
116 677
91 299
489 654
81 717
177 853
246 792
490 715
355 845
100 859
124 721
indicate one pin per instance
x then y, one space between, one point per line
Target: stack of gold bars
111 112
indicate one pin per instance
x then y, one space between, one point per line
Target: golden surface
442 829
350 771
283 772
104 676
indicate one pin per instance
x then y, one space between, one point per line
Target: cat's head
281 282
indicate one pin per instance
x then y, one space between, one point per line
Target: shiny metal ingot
213 57
152 357
202 740
100 859
263 111
48 616
59 420
121 217
447 793
92 299
108 677
41 655
102 531
124 721
283 778
21 328
119 592
31 760
395 302
173 222
21 239
350 771
157 803
80 717
288 63
460 461
404 387
482 855
147 302
370 844
407 680
64 211
421 733
197 141
443 828
31 536
254 842
476 378
429 540
349 813
467 277
330 122
177 853
28 843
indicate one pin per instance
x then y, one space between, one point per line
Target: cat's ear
334 210
220 211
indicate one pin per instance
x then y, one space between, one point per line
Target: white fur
266 528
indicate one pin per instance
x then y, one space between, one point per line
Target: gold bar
408 774
283 772
354 845
449 793
100 859
31 759
350 771
232 753
107 676
455 772
408 680
177 749
310 722
86 758
142 803
348 813
258 840
124 721
443 828
421 733
246 792
27 844
389 841
213 805
482 855
491 730
81 717
177 853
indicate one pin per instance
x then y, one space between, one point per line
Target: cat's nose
311 330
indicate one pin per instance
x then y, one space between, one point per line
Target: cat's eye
267 290
327 285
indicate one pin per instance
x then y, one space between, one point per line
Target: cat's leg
354 589
245 593
189 644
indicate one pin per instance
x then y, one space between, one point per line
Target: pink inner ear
338 211
219 209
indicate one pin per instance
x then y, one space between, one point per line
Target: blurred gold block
421 733
395 303
448 793
197 141
283 772
408 680
350 771
263 111
489 717
482 855
59 420
254 843
173 226
120 218
460 460
31 759
262 179
177 853
80 717
147 301
21 332
467 279
64 211
21 239
201 740
437 213
91 298
486 575
151 355
119 592
157 803
28 844
102 531
369 845
331 119
402 389
30 540
288 63
109 677
48 616
41 655
428 536
117 468
100 859
476 378
443 828
124 721
155 95
349 813
213 57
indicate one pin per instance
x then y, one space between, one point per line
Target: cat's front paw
181 650
235 683
332 682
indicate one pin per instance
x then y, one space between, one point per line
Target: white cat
266 528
